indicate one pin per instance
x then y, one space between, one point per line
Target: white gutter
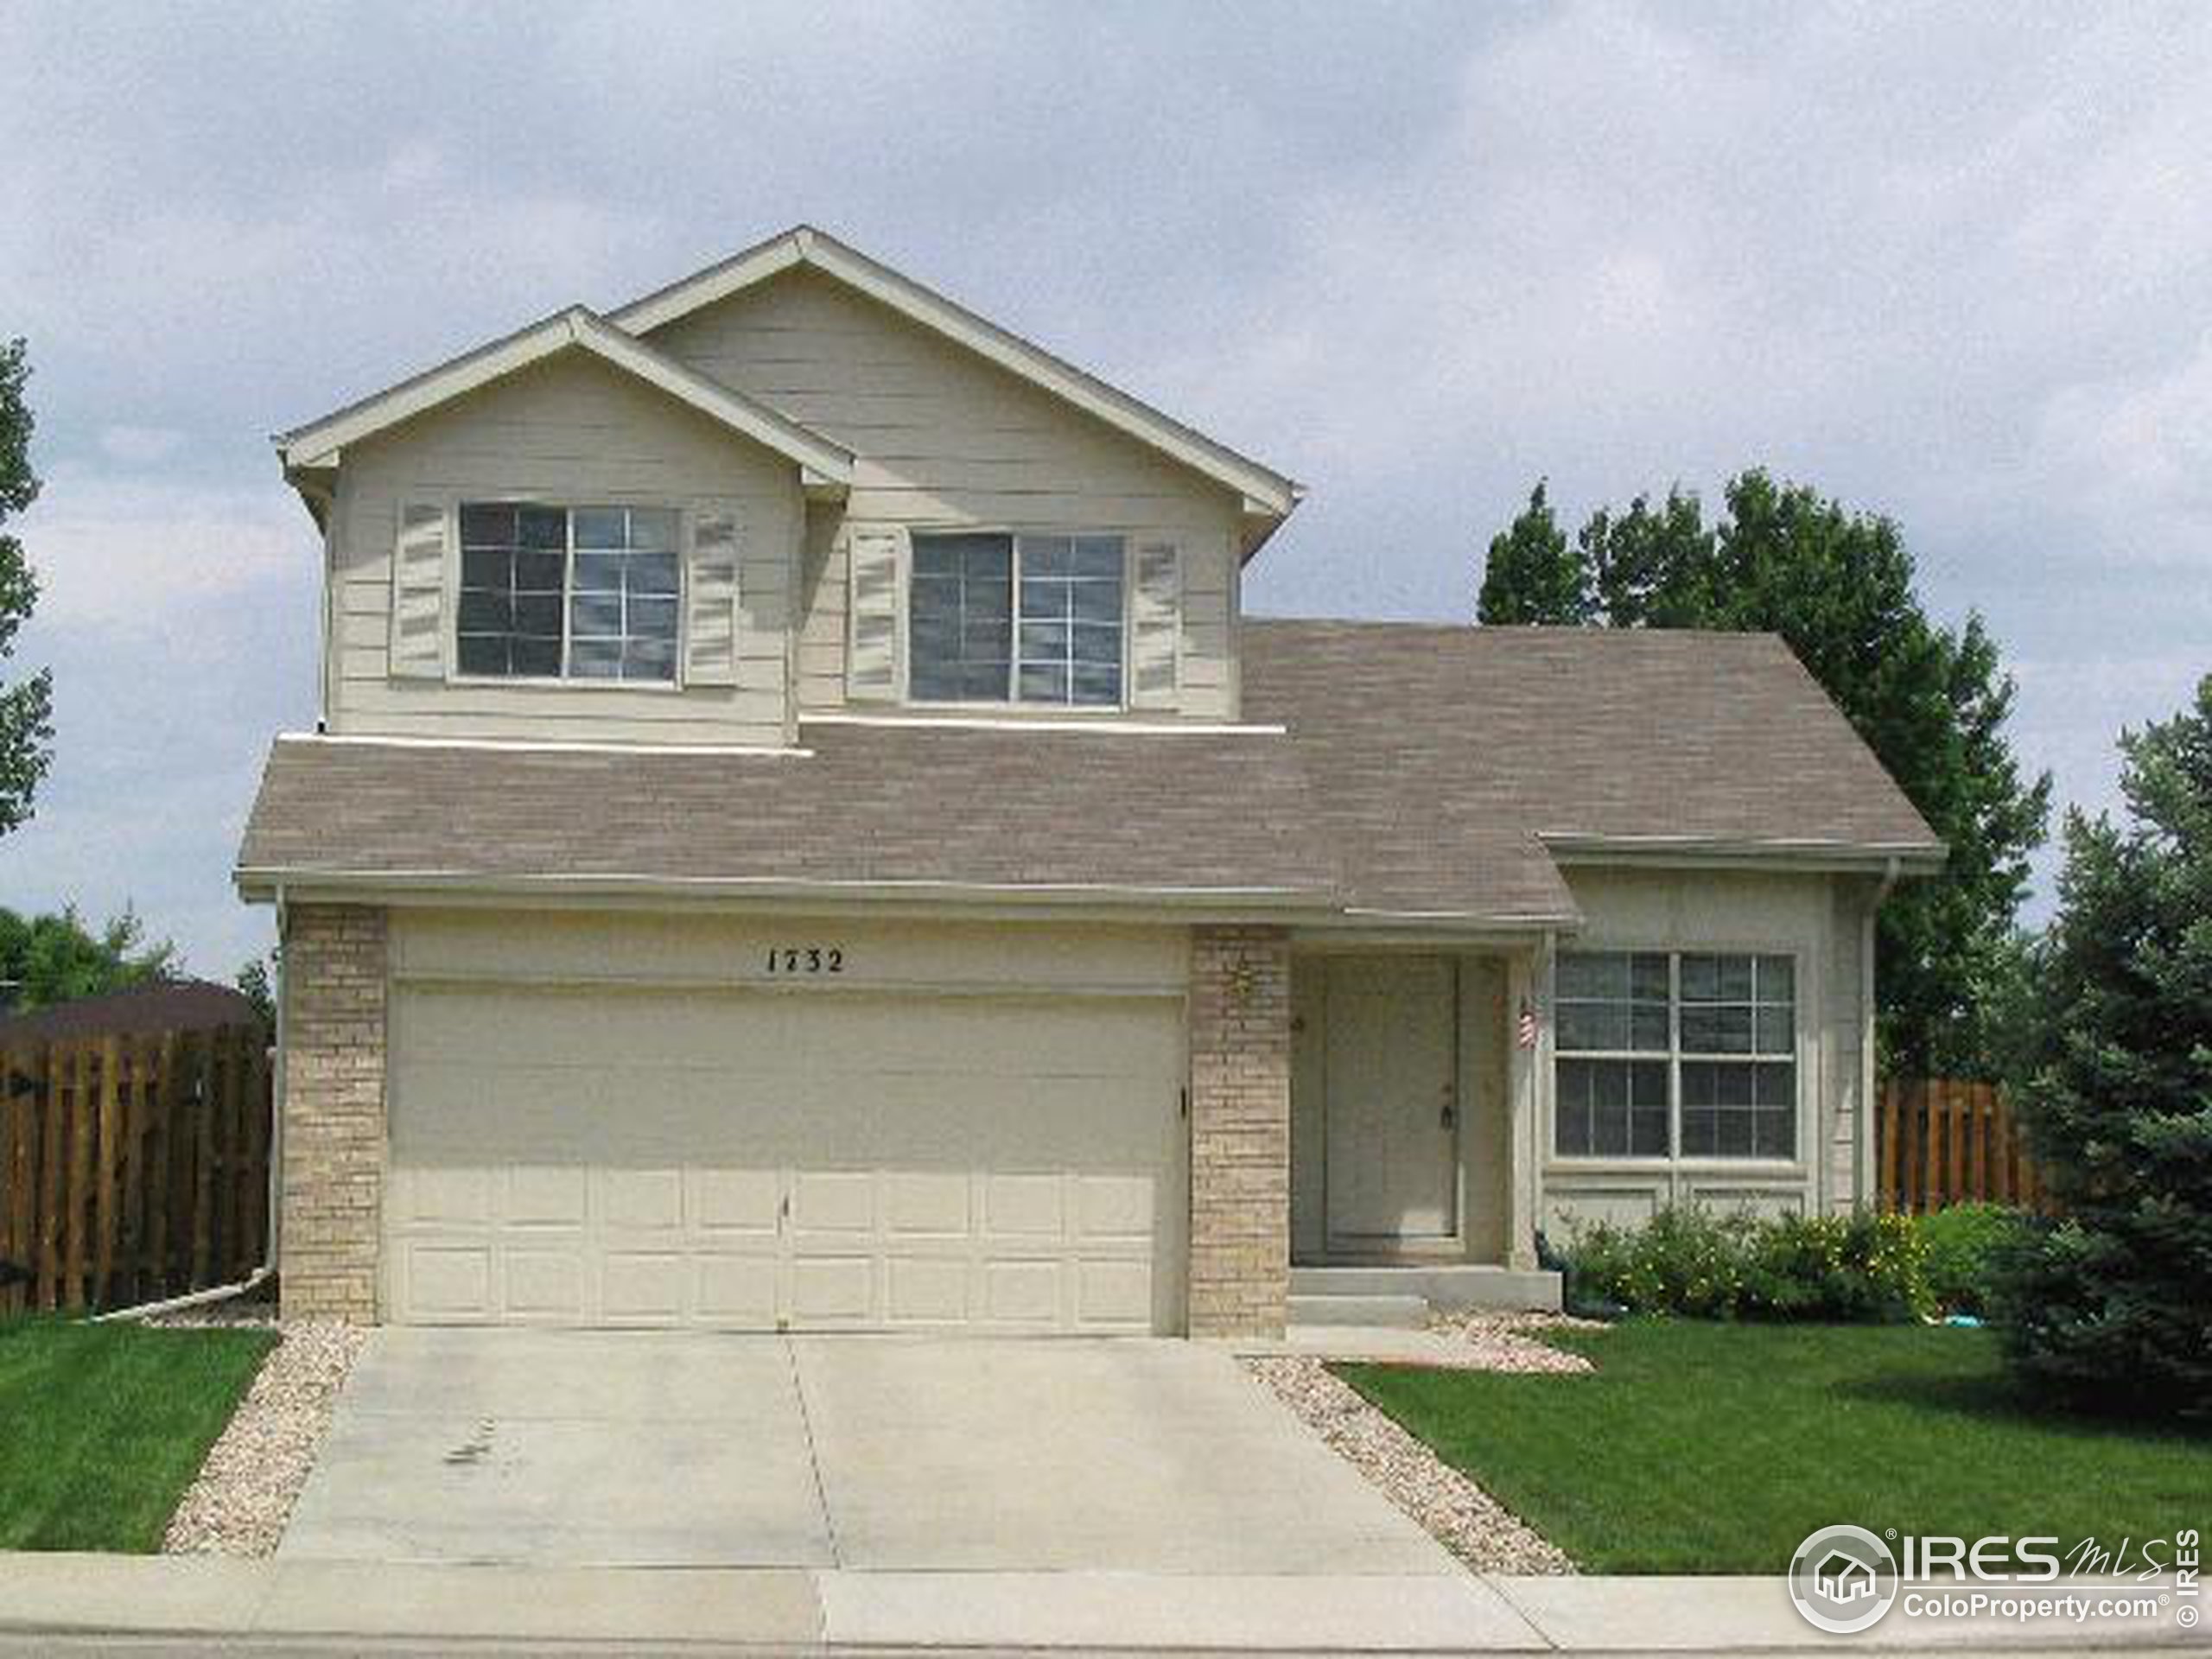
252 883
270 1253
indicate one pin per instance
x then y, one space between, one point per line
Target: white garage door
757 1159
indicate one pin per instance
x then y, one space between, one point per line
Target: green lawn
103 1426
1716 1448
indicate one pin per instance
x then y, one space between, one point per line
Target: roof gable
1267 494
319 443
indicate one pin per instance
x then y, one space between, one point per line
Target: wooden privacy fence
1946 1142
133 1168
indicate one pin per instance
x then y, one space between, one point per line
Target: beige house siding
649 950
571 430
946 440
1817 919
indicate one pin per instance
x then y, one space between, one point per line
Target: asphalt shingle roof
1422 766
1438 756
879 804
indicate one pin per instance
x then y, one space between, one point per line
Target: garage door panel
1115 1207
543 1286
833 1201
735 1289
1025 1206
538 1195
633 1200
642 1287
737 1201
927 1201
923 1289
442 1197
1114 1292
448 1281
829 1291
1025 1292
753 1159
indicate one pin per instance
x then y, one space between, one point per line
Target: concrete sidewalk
826 1610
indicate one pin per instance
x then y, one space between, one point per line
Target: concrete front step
1445 1286
1334 1307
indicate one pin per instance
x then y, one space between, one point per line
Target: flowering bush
1861 1269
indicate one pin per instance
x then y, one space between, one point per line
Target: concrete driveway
682 1449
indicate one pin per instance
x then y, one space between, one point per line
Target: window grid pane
1069 647
508 617
960 611
1612 1001
622 599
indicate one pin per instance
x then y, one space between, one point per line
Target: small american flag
1527 1033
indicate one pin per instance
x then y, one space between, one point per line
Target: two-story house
801 833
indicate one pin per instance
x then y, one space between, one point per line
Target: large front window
568 593
1028 618
1689 1054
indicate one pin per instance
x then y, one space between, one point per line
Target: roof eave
261 883
314 451
1808 854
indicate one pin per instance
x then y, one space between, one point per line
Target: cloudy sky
1950 264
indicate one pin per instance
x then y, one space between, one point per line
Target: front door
1392 1100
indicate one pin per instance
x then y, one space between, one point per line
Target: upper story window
1027 619
1688 1055
568 593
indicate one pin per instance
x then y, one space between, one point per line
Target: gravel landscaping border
253 1474
1513 1342
1453 1509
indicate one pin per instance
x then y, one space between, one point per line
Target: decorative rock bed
254 1472
1456 1512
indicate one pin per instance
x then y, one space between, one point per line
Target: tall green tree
1531 575
1932 702
1650 567
25 708
56 958
256 981
2111 1306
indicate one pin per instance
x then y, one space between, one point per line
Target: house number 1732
805 959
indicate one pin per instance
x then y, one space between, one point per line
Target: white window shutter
1156 627
877 608
418 592
710 601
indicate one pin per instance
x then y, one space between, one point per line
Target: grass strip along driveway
103 1426
1699 1448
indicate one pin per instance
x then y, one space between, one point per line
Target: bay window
1686 1054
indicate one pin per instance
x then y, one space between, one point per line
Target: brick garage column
334 995
1240 1131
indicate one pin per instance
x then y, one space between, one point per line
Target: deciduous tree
1931 702
27 707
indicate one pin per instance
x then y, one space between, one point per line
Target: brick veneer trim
335 987
1240 1131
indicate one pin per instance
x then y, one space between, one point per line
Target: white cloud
1948 263
140 446
132 558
